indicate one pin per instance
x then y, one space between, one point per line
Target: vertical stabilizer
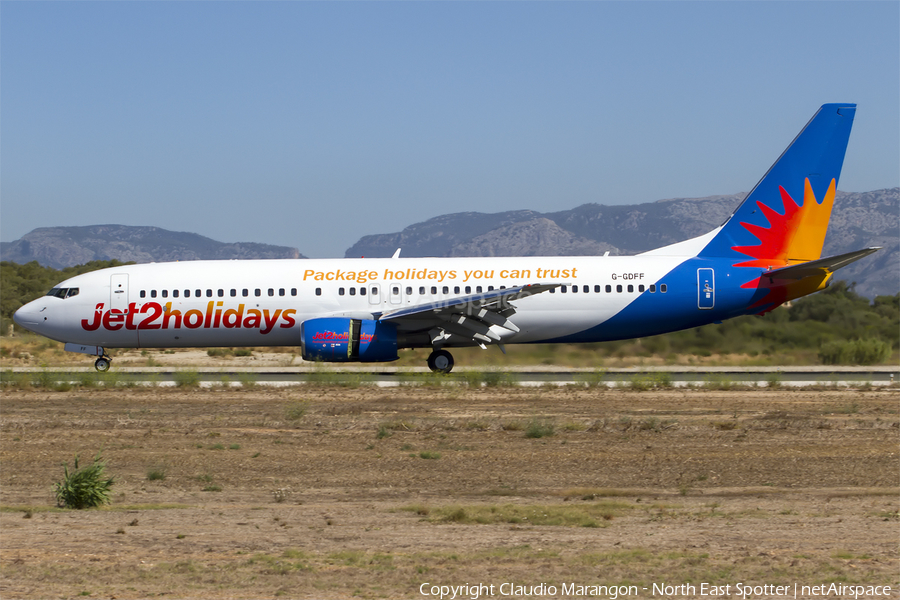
784 218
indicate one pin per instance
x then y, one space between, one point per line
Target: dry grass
643 487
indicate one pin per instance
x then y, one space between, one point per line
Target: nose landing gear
440 361
103 360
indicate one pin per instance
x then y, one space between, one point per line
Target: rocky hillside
61 247
859 220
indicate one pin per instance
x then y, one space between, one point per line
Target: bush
84 488
187 378
538 429
855 352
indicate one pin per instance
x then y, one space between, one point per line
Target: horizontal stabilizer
823 266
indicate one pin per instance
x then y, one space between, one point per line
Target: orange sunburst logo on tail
796 236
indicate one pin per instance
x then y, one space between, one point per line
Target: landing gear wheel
102 364
440 361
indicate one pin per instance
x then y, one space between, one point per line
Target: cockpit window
63 292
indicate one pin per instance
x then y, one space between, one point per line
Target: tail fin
784 218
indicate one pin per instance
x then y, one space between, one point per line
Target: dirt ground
336 492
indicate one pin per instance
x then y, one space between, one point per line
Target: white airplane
365 310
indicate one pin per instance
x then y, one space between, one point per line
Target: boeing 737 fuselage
365 310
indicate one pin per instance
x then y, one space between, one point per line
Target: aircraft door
118 292
706 289
374 294
396 293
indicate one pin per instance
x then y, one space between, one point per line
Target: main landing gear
102 363
440 361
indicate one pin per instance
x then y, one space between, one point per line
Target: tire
102 364
440 361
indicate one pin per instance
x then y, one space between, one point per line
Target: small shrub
296 410
156 475
84 487
247 380
538 429
428 455
186 378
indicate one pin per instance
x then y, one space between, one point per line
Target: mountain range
858 220
60 247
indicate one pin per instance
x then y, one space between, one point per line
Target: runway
384 376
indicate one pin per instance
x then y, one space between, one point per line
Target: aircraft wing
822 266
469 317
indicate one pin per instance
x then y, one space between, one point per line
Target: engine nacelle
339 339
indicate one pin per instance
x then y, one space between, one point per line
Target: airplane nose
29 316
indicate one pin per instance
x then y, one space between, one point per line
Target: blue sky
312 124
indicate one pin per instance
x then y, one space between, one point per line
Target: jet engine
338 339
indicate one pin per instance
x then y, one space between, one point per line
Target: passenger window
362 291
619 288
652 288
165 293
281 291
478 289
630 289
153 293
257 292
490 288
434 290
445 290
294 291
396 291
586 289
233 293
468 289
187 293
641 288
408 291
662 288
352 291
574 289
340 291
271 292
318 291
143 293
422 290
174 293
209 293
245 292
221 293
455 289
596 289
609 289
552 290
197 293
374 291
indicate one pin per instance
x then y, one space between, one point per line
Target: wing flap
467 317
